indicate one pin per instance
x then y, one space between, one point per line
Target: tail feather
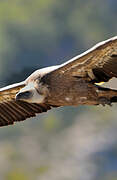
113 99
108 95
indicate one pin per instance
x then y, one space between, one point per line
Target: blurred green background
67 143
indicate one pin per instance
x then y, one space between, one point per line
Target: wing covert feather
8 93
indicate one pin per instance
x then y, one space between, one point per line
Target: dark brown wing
12 111
98 63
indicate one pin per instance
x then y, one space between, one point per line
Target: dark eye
23 95
27 93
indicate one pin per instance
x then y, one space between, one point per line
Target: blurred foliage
67 143
17 175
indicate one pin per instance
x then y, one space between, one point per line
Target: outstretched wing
97 64
12 111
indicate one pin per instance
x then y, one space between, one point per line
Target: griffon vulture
71 84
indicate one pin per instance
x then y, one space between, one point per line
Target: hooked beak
23 95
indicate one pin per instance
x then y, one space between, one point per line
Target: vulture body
70 84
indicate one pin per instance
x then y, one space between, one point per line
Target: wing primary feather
23 111
4 116
8 112
26 107
13 111
29 107
2 121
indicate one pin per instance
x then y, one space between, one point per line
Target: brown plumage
97 64
69 84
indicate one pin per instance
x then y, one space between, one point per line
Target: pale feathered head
32 92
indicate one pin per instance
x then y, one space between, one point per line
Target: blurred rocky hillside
66 143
